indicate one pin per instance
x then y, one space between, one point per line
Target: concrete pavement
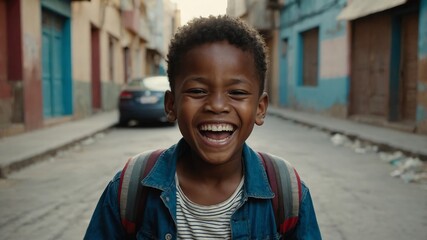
27 148
21 150
385 138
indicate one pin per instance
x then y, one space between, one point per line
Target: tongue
216 135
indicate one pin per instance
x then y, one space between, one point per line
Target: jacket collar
256 181
162 176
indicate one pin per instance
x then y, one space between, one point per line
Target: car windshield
151 83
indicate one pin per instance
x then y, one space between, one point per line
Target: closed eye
195 91
238 92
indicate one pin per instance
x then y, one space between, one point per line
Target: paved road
354 195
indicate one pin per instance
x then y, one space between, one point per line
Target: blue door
52 65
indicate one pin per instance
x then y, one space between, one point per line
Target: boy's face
216 100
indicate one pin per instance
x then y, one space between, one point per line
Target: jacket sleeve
105 222
307 227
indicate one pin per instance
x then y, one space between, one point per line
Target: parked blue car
142 100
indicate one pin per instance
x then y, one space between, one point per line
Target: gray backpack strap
286 185
131 193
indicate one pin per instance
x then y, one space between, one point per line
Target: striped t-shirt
196 221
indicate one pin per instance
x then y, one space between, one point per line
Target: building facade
388 63
360 60
62 60
314 57
97 56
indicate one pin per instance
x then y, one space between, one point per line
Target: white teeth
217 127
218 140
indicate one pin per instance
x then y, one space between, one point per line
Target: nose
217 103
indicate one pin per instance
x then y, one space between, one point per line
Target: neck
191 166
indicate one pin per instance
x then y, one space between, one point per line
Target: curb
85 130
382 146
19 164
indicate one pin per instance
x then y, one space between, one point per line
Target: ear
170 106
261 109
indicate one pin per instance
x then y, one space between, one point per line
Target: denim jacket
254 219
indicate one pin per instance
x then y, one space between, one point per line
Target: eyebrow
234 80
238 81
194 79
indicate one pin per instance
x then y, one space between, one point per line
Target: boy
210 185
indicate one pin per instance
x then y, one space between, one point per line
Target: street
354 195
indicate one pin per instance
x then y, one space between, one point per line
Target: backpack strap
286 185
132 197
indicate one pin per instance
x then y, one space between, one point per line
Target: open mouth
217 132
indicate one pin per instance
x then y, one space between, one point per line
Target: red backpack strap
286 185
131 193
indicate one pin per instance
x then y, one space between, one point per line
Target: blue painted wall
422 55
297 17
423 29
333 91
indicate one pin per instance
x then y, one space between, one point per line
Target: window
310 56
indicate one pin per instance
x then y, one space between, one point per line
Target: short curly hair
214 29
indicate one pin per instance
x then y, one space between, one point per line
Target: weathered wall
110 95
82 100
11 79
6 96
80 29
81 59
32 86
107 19
331 93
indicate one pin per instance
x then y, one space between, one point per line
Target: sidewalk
414 144
24 149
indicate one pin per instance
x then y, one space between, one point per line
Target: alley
354 195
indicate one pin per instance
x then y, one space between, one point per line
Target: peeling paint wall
32 86
331 93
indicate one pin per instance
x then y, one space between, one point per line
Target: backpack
283 179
